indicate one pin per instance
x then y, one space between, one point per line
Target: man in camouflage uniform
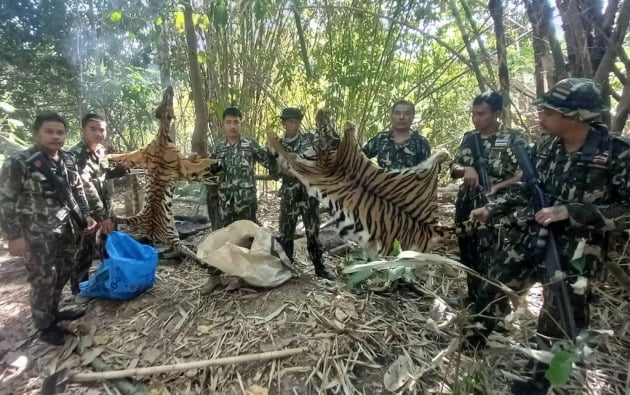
38 223
295 201
237 187
400 147
493 142
94 169
585 172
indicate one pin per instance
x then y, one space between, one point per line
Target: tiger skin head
165 110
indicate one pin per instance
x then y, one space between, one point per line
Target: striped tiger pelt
370 205
164 166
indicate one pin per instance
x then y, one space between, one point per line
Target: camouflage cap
291 113
574 97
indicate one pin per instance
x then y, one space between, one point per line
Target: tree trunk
491 80
615 42
539 43
496 11
163 61
579 58
622 111
474 63
200 135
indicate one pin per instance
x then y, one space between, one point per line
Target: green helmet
578 98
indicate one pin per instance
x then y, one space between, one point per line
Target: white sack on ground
248 251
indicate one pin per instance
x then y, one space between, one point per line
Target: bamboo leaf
115 16
179 22
359 276
560 367
6 107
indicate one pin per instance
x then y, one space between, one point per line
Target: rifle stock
547 240
62 189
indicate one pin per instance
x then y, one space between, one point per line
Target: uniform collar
291 139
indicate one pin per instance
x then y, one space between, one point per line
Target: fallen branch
116 374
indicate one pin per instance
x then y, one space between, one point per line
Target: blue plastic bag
128 272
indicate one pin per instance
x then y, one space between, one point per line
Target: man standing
37 220
94 169
489 145
400 147
237 154
294 199
586 174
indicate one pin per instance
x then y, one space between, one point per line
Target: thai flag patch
501 143
601 158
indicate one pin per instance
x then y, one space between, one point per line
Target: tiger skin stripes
370 205
164 166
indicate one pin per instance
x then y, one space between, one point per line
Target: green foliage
560 368
115 16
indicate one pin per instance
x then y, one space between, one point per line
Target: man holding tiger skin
236 153
295 201
400 147
476 246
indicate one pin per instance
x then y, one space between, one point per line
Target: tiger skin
371 206
164 166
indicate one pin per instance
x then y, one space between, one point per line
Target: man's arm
91 195
370 149
117 171
260 154
614 215
11 188
425 148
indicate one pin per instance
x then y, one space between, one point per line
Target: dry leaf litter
404 338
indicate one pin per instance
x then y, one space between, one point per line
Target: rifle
62 189
546 245
481 165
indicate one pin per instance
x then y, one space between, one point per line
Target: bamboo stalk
116 374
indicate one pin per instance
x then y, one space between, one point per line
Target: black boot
320 270
53 335
70 315
537 384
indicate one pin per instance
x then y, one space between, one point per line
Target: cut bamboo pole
116 374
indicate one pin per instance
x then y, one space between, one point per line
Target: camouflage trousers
232 210
518 268
89 247
475 244
295 204
49 263
212 202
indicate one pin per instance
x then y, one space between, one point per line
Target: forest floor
400 339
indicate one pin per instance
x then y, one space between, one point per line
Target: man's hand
17 247
107 226
471 178
481 214
549 215
90 225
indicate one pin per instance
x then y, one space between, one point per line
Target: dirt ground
359 341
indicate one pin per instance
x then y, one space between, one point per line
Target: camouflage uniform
237 187
29 210
295 201
94 169
396 156
593 183
476 245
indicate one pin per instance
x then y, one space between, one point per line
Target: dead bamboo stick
116 374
